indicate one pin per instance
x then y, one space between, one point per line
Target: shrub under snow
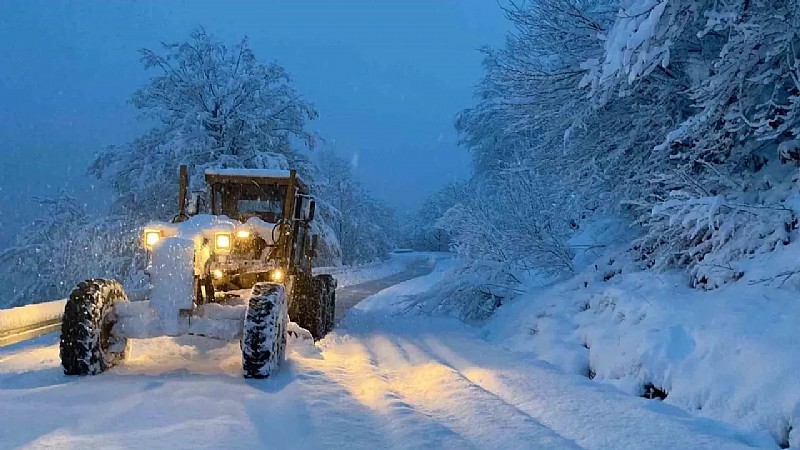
711 234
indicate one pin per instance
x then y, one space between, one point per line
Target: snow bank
30 314
352 275
729 354
404 297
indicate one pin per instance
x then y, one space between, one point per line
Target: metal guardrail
13 336
30 321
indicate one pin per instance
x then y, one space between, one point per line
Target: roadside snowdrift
729 354
362 273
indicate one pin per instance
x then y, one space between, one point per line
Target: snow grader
237 272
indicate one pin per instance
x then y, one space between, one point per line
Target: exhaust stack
183 187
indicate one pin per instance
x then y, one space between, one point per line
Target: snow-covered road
378 381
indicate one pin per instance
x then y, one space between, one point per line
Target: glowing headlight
217 273
243 234
151 237
222 241
276 276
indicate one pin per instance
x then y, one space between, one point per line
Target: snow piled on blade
205 226
265 230
201 226
172 278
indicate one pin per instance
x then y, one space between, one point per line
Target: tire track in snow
444 395
351 365
422 356
595 416
298 407
314 412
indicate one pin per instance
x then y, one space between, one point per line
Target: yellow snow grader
237 272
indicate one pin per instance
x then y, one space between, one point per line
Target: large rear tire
325 287
88 345
313 304
264 336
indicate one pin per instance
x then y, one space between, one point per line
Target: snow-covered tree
513 224
420 231
714 194
62 247
673 114
366 229
213 106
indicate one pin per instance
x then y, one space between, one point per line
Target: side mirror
312 207
306 206
314 243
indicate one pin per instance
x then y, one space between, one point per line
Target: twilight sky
387 76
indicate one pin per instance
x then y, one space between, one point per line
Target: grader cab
238 272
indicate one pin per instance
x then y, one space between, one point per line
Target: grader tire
305 308
264 336
88 346
313 304
325 289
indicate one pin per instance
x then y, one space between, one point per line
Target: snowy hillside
728 354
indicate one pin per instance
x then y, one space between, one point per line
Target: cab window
250 199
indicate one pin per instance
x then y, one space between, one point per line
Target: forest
661 135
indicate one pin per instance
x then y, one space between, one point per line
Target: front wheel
88 345
264 335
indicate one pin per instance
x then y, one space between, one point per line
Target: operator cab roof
248 175
261 173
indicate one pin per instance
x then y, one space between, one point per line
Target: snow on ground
352 275
378 381
730 354
394 300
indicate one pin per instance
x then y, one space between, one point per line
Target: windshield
250 199
271 205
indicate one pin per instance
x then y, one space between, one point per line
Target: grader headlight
222 241
151 237
243 234
276 275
